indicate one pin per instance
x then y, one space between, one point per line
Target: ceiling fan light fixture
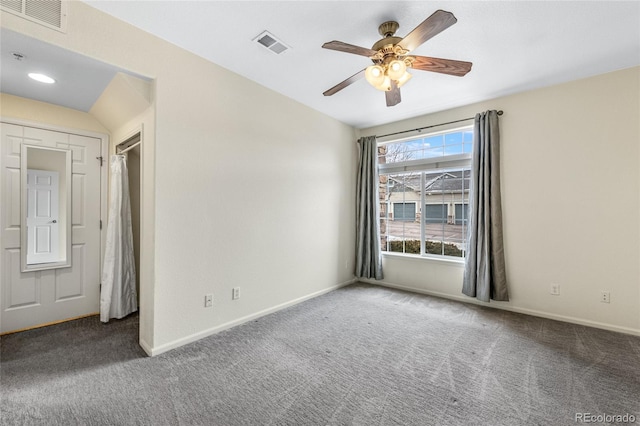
396 69
402 80
385 86
374 75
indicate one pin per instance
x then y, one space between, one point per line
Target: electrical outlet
555 289
235 294
208 300
605 297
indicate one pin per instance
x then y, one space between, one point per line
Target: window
424 193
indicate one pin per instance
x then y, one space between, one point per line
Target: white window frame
443 163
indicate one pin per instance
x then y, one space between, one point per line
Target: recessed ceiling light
41 78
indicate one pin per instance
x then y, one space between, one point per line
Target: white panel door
40 297
42 217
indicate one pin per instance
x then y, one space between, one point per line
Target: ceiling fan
391 60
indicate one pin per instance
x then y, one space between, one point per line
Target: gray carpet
361 355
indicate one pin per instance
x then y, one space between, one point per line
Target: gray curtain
485 274
368 255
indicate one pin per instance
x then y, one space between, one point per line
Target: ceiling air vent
50 13
271 42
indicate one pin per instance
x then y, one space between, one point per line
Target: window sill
438 259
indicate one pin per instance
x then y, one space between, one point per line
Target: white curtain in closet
118 293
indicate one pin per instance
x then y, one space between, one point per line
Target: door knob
54 221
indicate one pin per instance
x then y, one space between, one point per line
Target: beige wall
571 188
217 135
34 111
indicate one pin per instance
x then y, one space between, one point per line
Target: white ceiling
514 46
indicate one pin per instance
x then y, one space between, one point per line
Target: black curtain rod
429 127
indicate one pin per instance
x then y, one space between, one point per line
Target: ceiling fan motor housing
386 44
387 47
389 28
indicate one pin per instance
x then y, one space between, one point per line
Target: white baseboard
153 351
498 305
145 347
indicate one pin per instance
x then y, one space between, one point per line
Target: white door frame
104 150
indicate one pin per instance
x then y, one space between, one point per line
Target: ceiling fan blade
439 21
349 48
393 95
444 66
338 87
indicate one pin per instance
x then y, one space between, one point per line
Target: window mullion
387 215
422 210
444 220
404 223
